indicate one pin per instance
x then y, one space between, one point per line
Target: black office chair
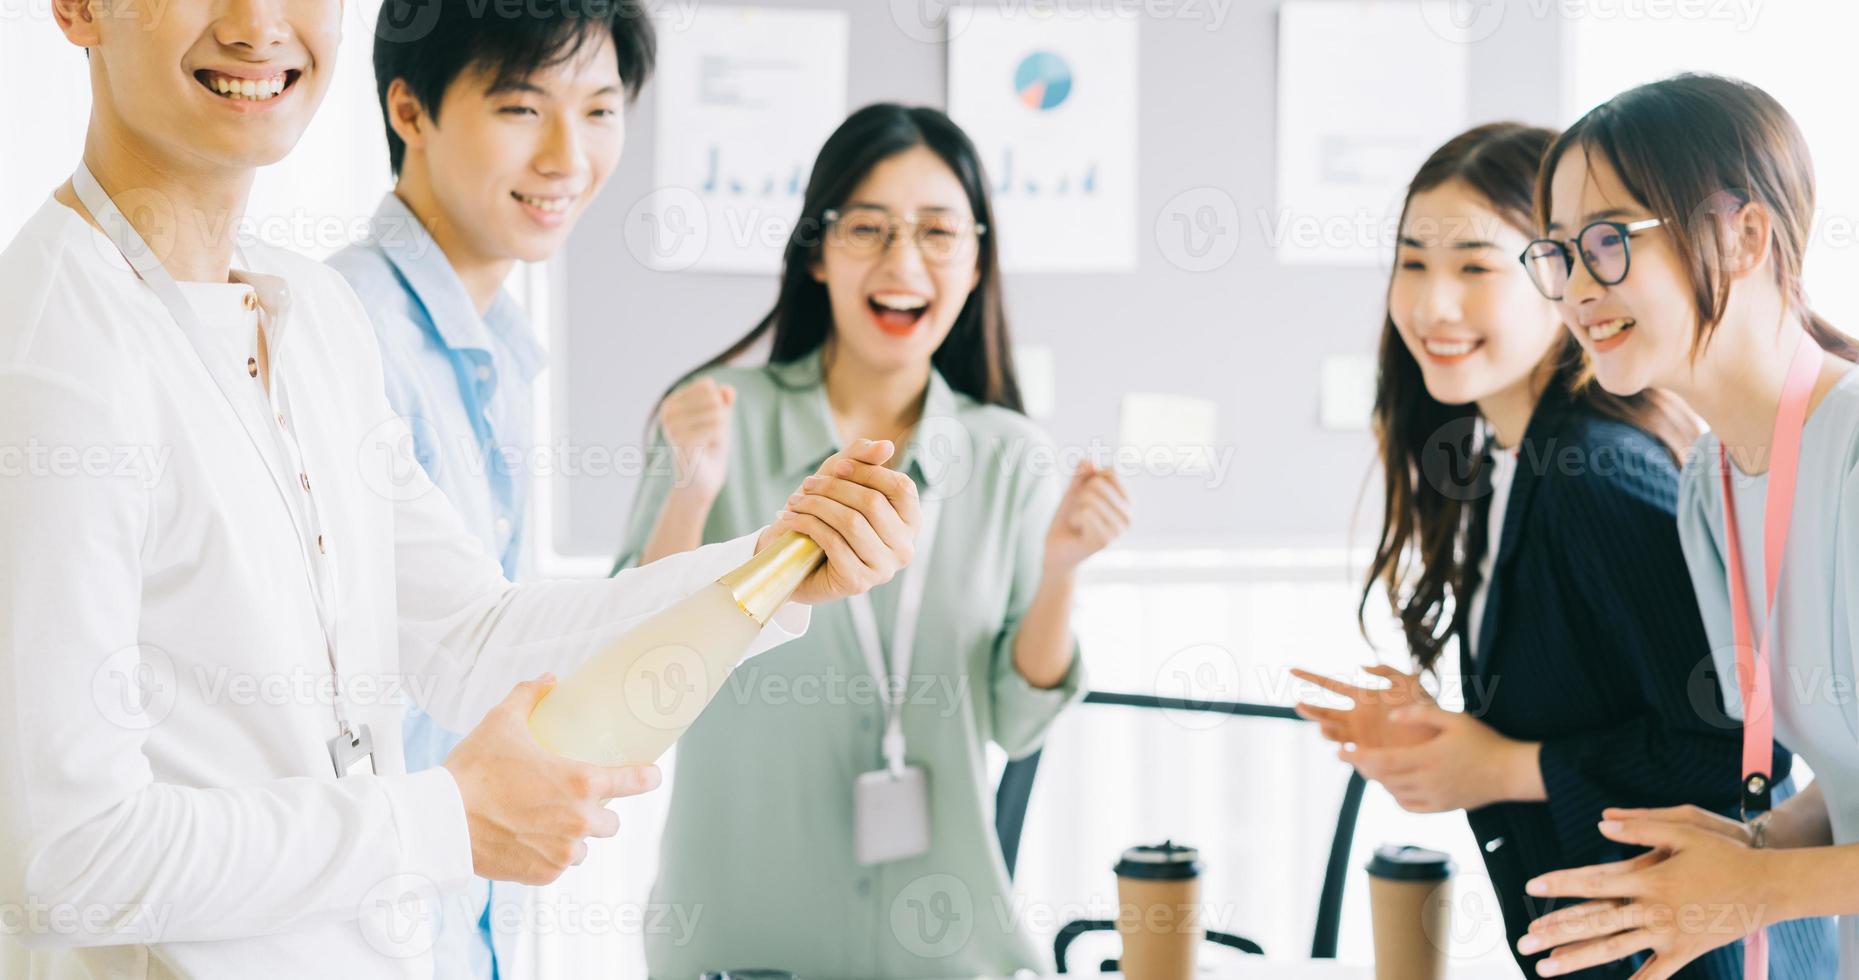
1016 789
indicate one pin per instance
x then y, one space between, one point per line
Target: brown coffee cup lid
1405 862
1167 861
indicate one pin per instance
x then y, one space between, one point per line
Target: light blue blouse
1816 638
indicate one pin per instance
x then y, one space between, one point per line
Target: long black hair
1423 563
976 358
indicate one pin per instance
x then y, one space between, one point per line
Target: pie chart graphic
1043 81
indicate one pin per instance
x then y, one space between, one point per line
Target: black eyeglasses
1603 248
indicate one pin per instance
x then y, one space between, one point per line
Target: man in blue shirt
503 122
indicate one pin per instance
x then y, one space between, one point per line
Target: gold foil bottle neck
763 583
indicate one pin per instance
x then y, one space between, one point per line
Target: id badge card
891 815
353 752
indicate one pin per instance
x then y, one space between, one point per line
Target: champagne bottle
630 701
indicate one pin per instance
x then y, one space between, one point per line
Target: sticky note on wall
1346 391
1035 365
1183 427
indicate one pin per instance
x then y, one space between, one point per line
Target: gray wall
1250 335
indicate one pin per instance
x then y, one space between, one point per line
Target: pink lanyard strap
1753 677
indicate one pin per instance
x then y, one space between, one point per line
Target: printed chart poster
746 97
1348 139
1050 101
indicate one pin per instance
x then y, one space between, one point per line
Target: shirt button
305 477
503 526
251 366
321 548
864 724
864 887
281 420
251 300
484 372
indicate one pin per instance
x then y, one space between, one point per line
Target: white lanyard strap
282 456
892 684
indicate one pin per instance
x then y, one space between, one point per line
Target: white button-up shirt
168 805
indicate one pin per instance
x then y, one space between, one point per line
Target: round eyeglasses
1603 249
940 237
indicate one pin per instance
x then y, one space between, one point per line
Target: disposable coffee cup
1159 911
1410 897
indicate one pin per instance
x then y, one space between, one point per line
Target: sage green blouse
758 844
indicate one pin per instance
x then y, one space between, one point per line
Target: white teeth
552 205
1611 328
246 89
1450 348
901 302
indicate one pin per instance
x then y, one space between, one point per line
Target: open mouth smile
897 313
241 88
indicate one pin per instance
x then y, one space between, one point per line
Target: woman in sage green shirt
888 325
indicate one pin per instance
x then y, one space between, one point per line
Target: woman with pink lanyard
1675 220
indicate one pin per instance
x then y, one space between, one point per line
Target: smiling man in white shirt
222 572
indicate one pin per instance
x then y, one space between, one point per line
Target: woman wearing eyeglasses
816 826
1529 518
1693 201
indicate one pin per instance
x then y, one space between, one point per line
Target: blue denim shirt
463 383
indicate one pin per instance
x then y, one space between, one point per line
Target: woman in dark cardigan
1530 516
